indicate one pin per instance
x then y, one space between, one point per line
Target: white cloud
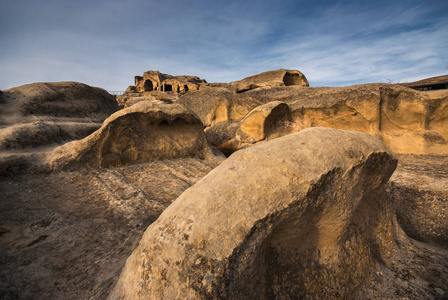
107 44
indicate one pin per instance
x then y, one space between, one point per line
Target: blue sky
334 43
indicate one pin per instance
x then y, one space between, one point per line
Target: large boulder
301 216
145 131
35 118
261 122
32 102
219 107
279 77
43 114
213 105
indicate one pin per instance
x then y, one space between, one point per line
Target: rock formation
67 235
35 118
145 131
279 77
156 81
54 102
42 114
302 216
419 193
433 83
261 121
301 213
408 121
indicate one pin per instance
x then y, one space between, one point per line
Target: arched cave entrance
148 86
168 88
292 79
185 88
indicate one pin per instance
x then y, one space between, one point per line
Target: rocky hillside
408 121
326 193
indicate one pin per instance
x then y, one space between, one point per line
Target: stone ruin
156 81
159 82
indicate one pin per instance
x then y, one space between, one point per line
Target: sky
105 43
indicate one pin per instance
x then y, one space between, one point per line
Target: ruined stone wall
156 81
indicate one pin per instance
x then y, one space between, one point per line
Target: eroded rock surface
408 121
419 193
67 235
55 100
37 117
261 122
304 215
279 77
145 131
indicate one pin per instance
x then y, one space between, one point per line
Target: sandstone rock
401 117
35 118
212 105
42 114
222 136
301 216
67 235
279 77
261 121
145 131
36 134
129 99
156 81
419 193
135 100
219 104
408 121
31 102
131 89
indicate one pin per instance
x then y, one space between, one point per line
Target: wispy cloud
106 43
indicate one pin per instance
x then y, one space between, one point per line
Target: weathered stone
131 89
419 193
261 121
56 100
43 114
304 215
156 81
212 105
279 77
145 131
135 100
223 133
67 235
408 121
36 134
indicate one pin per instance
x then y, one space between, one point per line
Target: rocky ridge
119 179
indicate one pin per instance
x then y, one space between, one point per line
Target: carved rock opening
148 86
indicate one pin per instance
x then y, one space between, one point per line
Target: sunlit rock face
408 121
145 131
298 216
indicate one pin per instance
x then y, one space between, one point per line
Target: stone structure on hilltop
156 81
280 77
